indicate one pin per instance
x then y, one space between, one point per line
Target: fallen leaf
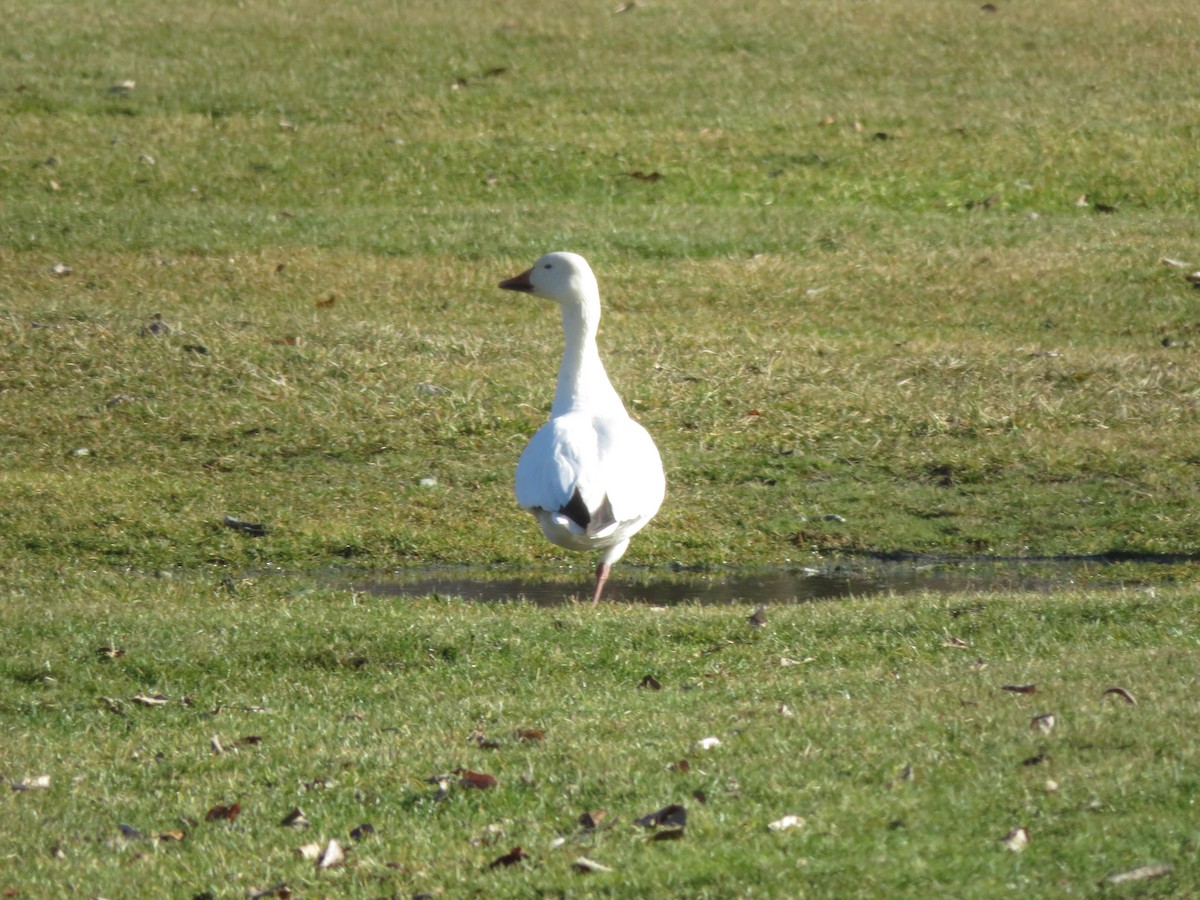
682 766
1141 873
479 739
32 783
113 705
150 700
475 779
786 823
309 851
512 857
667 834
130 833
62 270
530 734
672 816
786 661
110 652
952 641
758 618
706 743
584 866
1035 760
1051 786
1122 693
362 832
295 819
1016 840
590 821
1019 688
280 890
122 87
252 529
651 177
327 302
332 856
650 682
786 711
171 835
1044 723
223 813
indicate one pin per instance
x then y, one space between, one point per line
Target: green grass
952 377
357 700
895 262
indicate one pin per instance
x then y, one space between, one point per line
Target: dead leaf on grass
590 821
758 618
650 682
956 642
150 700
1141 873
667 834
110 652
1019 688
706 743
530 734
295 819
478 780
1122 693
479 739
786 823
331 856
32 783
511 858
671 816
1016 840
223 812
586 866
362 832
310 851
1044 723
280 890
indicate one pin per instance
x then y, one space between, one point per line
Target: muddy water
776 585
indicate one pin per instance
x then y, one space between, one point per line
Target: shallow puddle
775 585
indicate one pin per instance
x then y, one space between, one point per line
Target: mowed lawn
882 279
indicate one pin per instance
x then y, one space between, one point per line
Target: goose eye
547 266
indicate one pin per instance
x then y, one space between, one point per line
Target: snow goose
591 476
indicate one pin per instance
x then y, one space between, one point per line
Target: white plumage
591 476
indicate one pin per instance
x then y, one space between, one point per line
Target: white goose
591 476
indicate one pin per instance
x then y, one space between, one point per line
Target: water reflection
777 585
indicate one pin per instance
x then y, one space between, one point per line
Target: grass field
901 263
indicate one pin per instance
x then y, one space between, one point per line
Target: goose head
563 277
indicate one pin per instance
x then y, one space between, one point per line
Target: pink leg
602 571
